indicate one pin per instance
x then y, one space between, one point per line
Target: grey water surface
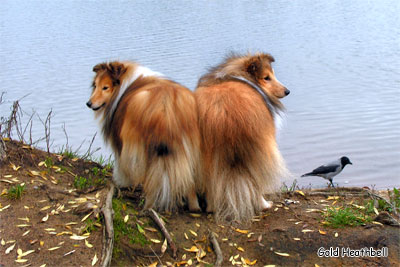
340 59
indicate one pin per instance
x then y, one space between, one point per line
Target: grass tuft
15 192
128 229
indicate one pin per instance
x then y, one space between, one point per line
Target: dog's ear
116 70
268 57
254 67
98 67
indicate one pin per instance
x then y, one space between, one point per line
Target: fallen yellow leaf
95 259
242 231
87 216
282 254
88 244
151 229
332 198
155 241
164 246
26 253
240 249
77 237
322 232
193 232
248 262
376 211
45 218
53 248
192 249
9 249
45 208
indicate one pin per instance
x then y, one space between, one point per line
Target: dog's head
258 68
106 83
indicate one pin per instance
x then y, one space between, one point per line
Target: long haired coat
238 101
151 124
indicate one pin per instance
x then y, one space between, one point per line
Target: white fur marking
265 204
138 71
166 190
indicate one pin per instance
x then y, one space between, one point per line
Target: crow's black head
345 161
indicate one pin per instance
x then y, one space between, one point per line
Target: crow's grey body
328 171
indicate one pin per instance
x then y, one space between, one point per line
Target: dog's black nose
287 91
89 104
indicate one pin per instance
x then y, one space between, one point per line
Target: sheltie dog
151 124
238 102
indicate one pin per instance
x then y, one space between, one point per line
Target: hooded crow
328 171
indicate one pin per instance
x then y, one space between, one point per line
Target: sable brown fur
151 124
240 157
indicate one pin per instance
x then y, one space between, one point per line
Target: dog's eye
267 78
105 88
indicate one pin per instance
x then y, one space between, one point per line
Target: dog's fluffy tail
236 194
170 177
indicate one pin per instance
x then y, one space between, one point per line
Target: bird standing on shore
328 171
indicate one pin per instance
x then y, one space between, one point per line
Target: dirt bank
49 214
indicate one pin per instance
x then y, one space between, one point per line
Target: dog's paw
194 207
265 205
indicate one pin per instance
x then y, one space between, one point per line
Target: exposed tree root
216 247
164 230
108 230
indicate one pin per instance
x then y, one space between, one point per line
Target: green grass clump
48 162
128 229
347 216
15 192
394 198
91 225
68 153
107 163
96 178
81 182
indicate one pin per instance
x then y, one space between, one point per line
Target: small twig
29 123
47 129
159 260
89 153
160 224
108 237
216 247
51 188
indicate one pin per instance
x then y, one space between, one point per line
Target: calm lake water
340 59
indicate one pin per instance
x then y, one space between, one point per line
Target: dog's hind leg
193 202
